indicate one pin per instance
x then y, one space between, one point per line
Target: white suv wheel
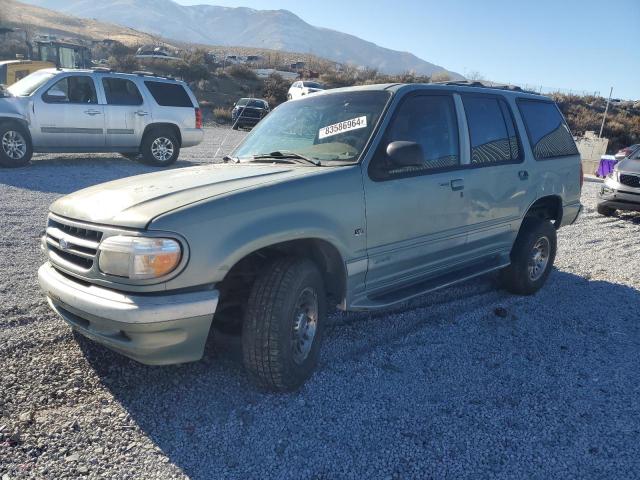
162 149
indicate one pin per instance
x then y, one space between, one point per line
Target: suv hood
629 166
135 201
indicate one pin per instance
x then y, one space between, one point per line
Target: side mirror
406 154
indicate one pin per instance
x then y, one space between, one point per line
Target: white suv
303 87
98 111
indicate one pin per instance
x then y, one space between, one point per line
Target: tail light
198 118
581 176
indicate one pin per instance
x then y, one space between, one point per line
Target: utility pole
606 109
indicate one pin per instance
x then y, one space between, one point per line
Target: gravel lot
444 387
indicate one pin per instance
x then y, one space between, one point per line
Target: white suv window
120 91
72 89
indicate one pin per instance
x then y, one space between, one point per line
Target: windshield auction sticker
341 127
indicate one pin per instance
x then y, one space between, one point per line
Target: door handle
523 175
92 112
140 113
457 184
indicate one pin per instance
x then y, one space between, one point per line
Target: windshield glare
29 84
328 127
251 102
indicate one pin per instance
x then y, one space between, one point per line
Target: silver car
621 188
97 111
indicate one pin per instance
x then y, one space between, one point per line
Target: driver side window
428 121
79 89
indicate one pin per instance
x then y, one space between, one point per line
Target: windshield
328 127
29 84
312 85
251 102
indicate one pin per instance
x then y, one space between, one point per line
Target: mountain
32 18
246 27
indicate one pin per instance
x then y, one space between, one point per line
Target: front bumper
619 196
192 136
152 329
246 121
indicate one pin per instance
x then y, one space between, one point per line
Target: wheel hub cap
14 145
162 149
305 324
539 258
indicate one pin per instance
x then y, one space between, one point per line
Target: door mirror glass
405 154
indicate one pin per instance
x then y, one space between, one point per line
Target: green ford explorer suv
359 198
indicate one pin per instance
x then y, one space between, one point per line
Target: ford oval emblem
64 245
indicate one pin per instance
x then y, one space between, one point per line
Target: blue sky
564 44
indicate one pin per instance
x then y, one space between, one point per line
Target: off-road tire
516 277
6 160
606 211
148 142
268 326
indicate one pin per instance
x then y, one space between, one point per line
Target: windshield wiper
286 155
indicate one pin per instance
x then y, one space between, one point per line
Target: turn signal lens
138 258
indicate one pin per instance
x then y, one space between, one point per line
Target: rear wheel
606 211
160 147
532 257
15 146
283 324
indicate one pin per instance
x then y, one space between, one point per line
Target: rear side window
548 133
169 94
491 130
121 92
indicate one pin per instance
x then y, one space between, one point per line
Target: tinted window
548 133
491 130
169 94
72 90
312 85
429 121
121 92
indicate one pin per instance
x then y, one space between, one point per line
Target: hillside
273 29
32 18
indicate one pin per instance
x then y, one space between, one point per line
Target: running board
407 292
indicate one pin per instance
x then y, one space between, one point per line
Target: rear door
126 114
498 183
69 116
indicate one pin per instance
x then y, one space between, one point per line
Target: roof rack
143 73
485 84
101 69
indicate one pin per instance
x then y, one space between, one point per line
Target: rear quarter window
169 94
548 133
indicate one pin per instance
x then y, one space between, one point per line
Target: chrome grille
630 180
72 245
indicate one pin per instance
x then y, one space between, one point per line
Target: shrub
241 71
222 115
276 89
127 63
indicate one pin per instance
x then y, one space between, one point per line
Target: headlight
138 257
614 175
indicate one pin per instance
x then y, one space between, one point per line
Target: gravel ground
449 386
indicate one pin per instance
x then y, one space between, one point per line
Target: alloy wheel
14 145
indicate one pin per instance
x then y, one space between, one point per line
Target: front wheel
160 147
283 324
15 146
532 257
